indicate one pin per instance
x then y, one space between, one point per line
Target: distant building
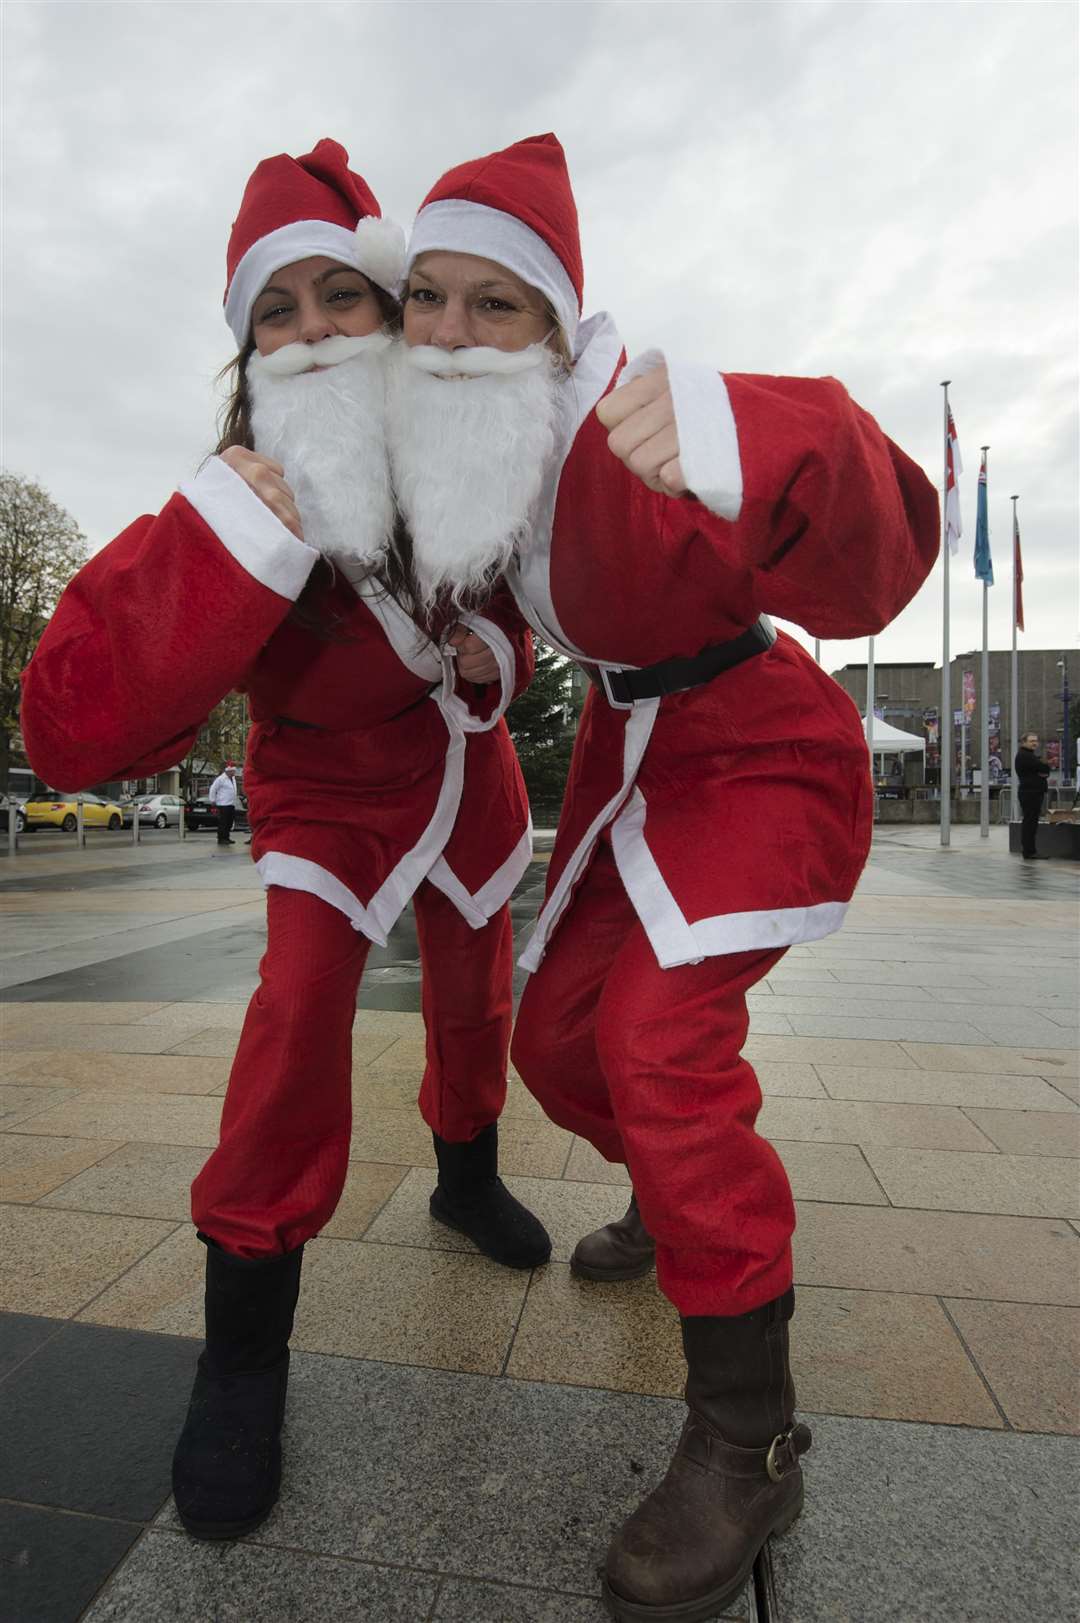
909 696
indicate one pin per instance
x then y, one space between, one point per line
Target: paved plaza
462 1439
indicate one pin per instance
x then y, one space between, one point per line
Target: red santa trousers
646 1064
279 1168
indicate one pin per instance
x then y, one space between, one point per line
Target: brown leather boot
622 1250
687 1551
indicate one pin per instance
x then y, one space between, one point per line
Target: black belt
624 689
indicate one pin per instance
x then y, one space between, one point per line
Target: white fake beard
469 449
319 410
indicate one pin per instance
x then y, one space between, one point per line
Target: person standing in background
223 797
1031 780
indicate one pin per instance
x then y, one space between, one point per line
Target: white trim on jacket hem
673 938
378 917
639 726
705 424
498 888
248 530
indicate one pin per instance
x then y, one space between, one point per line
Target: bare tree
41 547
222 737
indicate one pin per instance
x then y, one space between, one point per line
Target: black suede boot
687 1551
227 1466
472 1198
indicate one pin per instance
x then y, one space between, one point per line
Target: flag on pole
984 566
1019 568
954 467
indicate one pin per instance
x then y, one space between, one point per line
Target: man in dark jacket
1031 776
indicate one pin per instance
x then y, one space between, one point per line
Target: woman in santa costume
379 770
718 808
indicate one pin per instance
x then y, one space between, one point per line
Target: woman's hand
640 417
475 660
267 479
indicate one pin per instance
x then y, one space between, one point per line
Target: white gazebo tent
889 740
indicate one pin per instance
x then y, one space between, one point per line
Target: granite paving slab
22 1334
54 1563
1030 1355
56 1262
959 1181
462 1602
910 1523
1018 1259
917 1087
169 1578
90 1420
443 1471
1030 1132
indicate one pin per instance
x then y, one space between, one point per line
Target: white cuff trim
705 422
452 703
247 529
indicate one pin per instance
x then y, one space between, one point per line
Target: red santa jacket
740 811
369 767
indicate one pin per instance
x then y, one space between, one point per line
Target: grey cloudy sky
885 192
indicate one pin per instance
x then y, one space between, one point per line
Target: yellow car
58 811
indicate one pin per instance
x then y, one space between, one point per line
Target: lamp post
1066 765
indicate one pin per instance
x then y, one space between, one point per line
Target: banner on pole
969 695
953 468
984 567
1019 568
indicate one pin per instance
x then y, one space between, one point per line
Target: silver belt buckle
616 704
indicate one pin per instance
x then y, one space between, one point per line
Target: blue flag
984 564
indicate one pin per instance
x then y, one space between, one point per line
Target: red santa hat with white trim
517 208
294 208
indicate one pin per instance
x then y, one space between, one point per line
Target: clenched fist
640 418
267 479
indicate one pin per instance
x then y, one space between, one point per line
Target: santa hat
517 208
294 208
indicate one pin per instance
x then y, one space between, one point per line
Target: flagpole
984 683
946 729
1014 684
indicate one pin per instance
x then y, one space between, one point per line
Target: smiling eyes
427 298
337 298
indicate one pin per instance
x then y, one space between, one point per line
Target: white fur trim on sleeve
245 526
708 439
452 701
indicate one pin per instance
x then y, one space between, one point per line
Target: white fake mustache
478 362
292 359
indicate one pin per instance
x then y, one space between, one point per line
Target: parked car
6 803
53 810
199 813
163 811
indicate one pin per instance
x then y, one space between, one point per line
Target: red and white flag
1018 574
953 468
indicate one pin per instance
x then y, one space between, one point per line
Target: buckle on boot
784 1451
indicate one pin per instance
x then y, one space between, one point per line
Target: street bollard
135 824
181 828
80 823
12 827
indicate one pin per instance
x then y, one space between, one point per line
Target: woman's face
313 299
459 301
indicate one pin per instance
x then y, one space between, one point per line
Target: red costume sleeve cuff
247 529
